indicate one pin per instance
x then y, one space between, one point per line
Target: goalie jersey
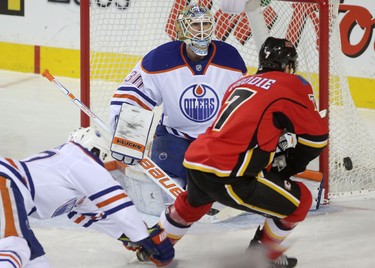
191 92
69 180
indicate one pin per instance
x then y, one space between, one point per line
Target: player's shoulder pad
163 58
228 56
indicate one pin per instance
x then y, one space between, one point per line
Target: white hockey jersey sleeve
106 202
136 89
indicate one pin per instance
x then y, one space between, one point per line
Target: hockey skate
282 261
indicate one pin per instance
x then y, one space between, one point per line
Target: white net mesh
120 34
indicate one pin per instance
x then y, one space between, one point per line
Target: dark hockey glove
286 142
156 248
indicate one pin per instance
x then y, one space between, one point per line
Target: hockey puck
348 164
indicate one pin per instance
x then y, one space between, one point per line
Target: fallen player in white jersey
72 180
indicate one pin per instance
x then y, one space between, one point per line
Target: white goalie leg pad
145 194
232 6
132 130
313 180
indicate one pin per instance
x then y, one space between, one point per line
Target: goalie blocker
131 134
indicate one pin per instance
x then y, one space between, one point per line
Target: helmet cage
195 26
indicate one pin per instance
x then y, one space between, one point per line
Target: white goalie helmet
94 140
195 26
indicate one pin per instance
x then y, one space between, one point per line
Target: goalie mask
195 26
93 140
276 54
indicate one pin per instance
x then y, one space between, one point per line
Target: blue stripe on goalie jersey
134 80
105 191
136 93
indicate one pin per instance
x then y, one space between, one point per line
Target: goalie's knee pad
168 151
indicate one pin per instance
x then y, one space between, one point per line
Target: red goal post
115 34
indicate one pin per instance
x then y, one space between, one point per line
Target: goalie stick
148 166
156 174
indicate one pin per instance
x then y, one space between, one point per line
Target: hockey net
123 31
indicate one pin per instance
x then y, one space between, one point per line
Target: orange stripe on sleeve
13 258
111 200
11 162
79 219
10 227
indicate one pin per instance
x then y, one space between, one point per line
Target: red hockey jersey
255 111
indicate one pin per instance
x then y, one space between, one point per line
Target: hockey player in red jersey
72 180
232 161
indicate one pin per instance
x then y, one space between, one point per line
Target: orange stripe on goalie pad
129 144
310 175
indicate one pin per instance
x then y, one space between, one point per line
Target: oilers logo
199 103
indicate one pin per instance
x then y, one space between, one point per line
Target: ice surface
36 116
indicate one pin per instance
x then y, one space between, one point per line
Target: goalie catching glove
131 134
157 247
